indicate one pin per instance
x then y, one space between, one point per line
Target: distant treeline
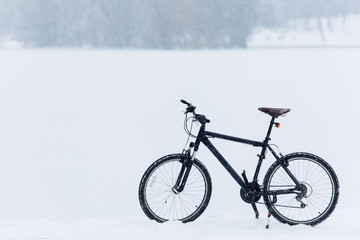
165 24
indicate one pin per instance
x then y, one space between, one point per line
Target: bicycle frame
203 137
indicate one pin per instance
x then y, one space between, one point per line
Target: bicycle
298 188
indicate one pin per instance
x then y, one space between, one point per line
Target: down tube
226 165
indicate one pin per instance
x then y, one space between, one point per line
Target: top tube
235 139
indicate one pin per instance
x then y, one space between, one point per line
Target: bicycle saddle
275 112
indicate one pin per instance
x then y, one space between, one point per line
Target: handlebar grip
185 102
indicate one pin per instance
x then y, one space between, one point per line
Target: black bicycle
298 188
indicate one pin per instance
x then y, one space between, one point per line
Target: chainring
248 198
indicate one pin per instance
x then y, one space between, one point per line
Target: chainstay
279 205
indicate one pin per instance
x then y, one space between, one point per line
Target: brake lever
190 108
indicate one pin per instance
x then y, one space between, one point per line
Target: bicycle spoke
318 191
170 205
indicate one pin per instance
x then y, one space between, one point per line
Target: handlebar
191 109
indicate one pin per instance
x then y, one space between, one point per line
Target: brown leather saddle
275 112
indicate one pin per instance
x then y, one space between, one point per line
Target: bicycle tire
322 190
160 203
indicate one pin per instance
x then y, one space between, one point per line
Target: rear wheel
158 199
320 190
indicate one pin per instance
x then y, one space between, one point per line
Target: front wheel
161 202
315 202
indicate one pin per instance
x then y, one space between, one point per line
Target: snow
336 32
8 43
221 225
80 127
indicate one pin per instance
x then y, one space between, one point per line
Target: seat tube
263 150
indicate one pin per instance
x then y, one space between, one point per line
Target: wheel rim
319 196
167 205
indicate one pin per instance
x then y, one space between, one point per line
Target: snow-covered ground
79 128
342 225
332 32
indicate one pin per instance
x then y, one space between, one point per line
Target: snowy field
335 32
78 128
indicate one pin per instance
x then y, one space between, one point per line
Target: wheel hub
306 192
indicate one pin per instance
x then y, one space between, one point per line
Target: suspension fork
187 162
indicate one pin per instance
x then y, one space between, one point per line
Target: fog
160 24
